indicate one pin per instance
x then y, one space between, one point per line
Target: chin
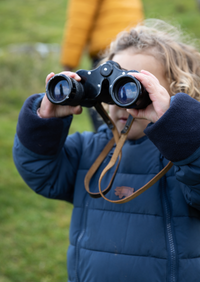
135 135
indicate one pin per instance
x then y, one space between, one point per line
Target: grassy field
34 230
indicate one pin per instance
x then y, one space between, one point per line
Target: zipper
172 263
79 241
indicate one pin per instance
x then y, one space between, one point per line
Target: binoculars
108 83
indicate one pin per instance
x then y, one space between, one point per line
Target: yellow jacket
94 24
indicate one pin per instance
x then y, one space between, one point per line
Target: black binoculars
108 83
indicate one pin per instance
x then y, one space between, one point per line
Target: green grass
181 12
32 21
34 230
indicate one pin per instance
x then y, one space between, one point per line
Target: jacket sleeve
80 19
177 136
45 159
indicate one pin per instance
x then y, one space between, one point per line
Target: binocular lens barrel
127 93
61 90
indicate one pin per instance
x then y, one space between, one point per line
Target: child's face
130 61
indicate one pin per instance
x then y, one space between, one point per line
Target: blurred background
34 230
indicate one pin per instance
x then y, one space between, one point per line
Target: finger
64 111
50 75
150 83
136 113
72 75
149 74
141 113
76 110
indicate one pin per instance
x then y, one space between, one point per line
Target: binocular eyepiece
108 83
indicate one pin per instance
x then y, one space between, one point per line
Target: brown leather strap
103 154
119 140
94 168
141 190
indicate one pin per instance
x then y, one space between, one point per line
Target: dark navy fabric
156 236
41 137
169 132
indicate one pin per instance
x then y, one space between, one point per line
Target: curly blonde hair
168 44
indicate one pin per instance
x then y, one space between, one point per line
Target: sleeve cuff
177 133
41 136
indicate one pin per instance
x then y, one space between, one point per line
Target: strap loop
119 139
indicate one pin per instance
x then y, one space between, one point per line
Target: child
156 236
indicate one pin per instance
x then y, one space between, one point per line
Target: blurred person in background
91 25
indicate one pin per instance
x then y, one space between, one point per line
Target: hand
49 110
158 94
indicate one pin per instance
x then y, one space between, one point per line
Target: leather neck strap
119 140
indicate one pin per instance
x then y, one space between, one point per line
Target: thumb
76 110
136 113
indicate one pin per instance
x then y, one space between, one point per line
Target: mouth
123 120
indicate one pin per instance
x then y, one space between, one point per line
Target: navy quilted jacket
156 236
